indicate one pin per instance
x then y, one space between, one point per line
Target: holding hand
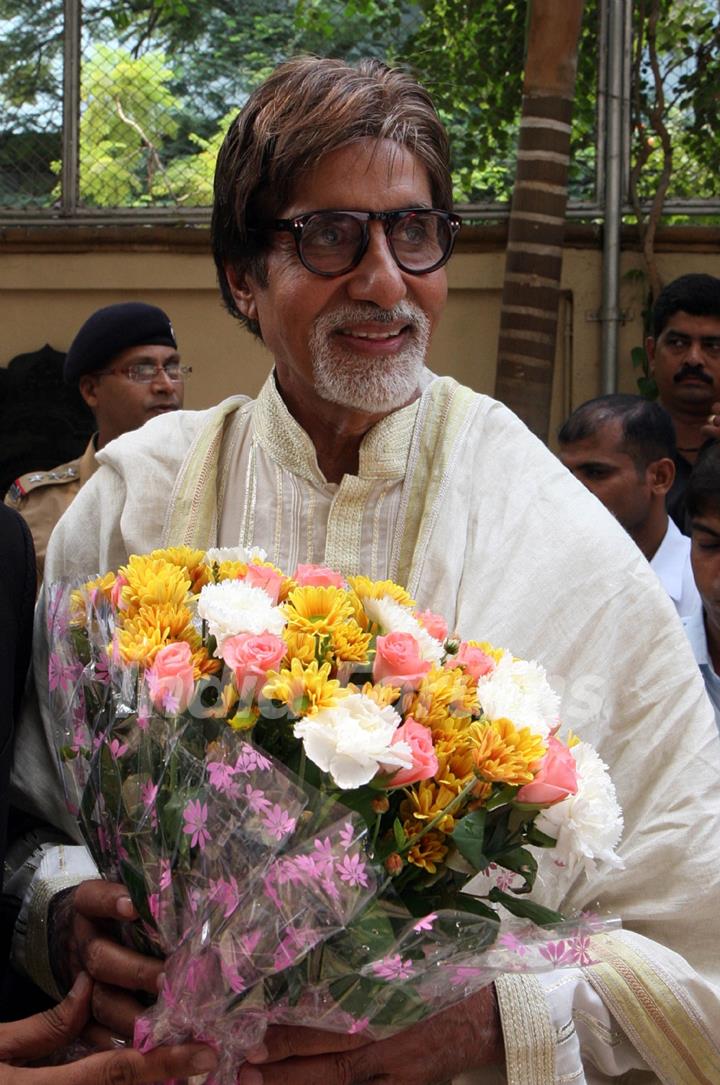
711 429
47 1032
463 1037
85 938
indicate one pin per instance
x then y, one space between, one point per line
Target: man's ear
243 291
661 474
87 386
650 351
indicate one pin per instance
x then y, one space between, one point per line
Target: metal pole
615 112
71 106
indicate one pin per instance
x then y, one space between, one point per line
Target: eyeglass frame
127 372
297 223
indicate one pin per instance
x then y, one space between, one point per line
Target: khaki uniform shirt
42 497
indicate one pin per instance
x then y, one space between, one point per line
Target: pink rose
318 576
555 779
170 679
262 576
251 656
434 623
424 760
398 661
473 661
116 591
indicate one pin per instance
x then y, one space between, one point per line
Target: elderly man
622 449
125 363
332 224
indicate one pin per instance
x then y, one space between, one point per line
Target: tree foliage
469 53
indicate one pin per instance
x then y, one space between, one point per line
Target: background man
331 227
125 363
622 449
684 354
702 501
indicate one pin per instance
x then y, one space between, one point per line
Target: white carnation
233 607
353 739
518 690
393 617
217 554
589 824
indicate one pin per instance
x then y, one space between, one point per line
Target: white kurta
455 498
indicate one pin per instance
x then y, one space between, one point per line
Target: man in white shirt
331 227
622 448
702 498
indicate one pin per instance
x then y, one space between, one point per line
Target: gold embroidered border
652 1015
37 951
527 1030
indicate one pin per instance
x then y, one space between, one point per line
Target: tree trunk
528 318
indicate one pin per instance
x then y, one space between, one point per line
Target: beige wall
46 295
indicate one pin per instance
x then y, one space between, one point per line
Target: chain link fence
113 111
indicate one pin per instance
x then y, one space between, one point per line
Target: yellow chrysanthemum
153 581
140 637
424 802
317 610
376 589
503 754
102 584
230 570
429 852
301 646
380 694
349 644
442 697
456 762
305 690
190 559
203 664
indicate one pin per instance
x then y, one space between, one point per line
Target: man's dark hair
308 107
647 429
702 494
696 294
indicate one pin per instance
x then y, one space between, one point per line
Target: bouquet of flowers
325 808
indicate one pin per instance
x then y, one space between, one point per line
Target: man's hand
464 1037
85 938
711 429
48 1032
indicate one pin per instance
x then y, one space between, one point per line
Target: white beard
378 384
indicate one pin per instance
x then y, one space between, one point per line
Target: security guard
126 365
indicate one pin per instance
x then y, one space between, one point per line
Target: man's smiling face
360 339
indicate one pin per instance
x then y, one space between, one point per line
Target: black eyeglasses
334 242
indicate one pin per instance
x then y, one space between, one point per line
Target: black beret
113 329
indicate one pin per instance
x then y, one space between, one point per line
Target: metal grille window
115 110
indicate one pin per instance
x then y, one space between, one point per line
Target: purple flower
221 775
278 822
59 675
580 949
426 924
225 893
195 814
347 835
117 748
165 874
359 1025
393 968
255 798
352 870
557 952
513 944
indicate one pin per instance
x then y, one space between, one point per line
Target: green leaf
469 838
540 839
525 909
399 834
521 862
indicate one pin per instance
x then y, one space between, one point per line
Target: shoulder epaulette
33 480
